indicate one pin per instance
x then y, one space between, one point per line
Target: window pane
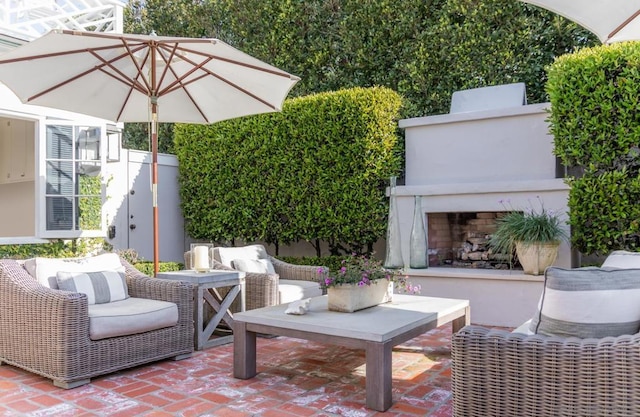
60 178
73 178
89 213
89 169
88 143
59 142
59 213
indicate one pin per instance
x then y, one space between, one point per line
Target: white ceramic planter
348 298
536 257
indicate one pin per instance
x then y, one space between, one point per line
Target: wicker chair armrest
299 272
261 290
495 372
179 292
143 286
34 315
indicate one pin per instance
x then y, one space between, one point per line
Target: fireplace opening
461 240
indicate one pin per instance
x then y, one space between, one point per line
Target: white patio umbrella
610 20
140 78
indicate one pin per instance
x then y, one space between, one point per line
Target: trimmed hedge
57 248
595 120
147 267
604 212
594 104
318 170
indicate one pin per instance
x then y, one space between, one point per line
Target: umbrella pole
154 183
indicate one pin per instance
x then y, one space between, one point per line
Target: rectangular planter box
348 298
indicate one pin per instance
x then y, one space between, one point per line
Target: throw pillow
622 259
100 287
221 266
588 303
261 266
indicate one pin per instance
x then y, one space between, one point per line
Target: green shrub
604 212
147 267
595 121
316 171
331 262
57 248
594 114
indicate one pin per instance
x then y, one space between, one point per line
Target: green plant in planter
529 226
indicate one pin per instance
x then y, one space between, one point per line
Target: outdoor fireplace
461 239
463 165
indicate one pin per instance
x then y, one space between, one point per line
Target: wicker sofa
46 331
524 373
287 283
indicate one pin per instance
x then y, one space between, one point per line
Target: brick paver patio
296 378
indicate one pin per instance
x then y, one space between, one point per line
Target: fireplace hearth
461 240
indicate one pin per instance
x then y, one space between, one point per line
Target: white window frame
41 202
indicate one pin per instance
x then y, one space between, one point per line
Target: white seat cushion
524 328
130 316
294 290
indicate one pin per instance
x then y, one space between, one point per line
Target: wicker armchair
498 373
261 290
46 331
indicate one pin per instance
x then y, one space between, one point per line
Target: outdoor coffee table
376 330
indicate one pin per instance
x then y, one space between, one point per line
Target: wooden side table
207 292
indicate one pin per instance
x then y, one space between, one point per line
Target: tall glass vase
393 258
418 258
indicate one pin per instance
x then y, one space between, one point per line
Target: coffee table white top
378 324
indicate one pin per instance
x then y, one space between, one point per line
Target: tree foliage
423 49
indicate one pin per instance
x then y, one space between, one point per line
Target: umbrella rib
233 61
179 79
82 74
167 62
181 83
119 75
140 73
623 24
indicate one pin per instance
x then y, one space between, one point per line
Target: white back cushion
44 270
622 259
261 266
227 255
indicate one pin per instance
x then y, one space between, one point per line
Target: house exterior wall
17 210
129 210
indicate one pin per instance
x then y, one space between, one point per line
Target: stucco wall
495 145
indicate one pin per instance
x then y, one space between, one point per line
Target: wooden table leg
378 376
198 319
244 352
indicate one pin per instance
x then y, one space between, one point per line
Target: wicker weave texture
498 373
46 331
